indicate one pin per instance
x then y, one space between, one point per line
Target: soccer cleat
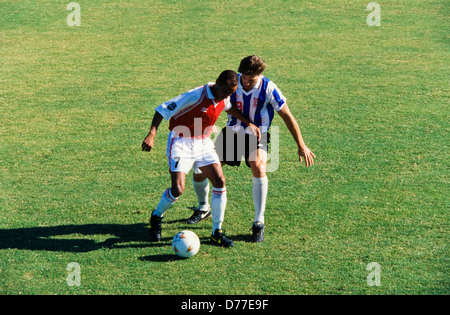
220 239
155 228
258 232
198 216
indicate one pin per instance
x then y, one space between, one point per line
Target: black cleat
258 232
198 216
220 239
155 228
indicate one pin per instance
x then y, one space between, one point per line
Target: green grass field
372 102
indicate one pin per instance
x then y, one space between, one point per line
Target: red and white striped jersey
194 113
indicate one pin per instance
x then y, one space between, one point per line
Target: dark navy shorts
231 146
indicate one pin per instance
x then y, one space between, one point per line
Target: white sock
202 191
167 201
260 189
218 205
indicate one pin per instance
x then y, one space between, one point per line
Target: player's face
222 92
249 81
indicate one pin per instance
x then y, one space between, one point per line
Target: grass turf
76 102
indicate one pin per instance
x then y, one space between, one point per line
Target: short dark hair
228 78
252 65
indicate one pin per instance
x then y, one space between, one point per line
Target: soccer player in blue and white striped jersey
258 98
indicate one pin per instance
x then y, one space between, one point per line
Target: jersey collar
208 91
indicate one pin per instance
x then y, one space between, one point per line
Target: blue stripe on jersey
247 104
233 98
231 119
277 97
261 101
271 114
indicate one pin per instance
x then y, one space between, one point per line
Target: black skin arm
149 140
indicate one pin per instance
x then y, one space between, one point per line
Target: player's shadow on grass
78 238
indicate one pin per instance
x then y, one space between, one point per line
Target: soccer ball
186 244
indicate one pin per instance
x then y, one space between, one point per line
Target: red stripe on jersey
197 120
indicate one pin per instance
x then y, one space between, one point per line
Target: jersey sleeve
177 104
227 104
275 97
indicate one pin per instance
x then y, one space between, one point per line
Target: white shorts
185 153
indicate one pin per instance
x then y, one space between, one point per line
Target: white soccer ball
186 244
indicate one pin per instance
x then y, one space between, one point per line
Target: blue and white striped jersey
259 104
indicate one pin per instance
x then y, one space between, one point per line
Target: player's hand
255 131
305 152
147 145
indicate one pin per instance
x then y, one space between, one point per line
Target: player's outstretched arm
233 111
148 143
294 129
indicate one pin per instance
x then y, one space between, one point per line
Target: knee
199 178
258 164
259 170
219 182
177 190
